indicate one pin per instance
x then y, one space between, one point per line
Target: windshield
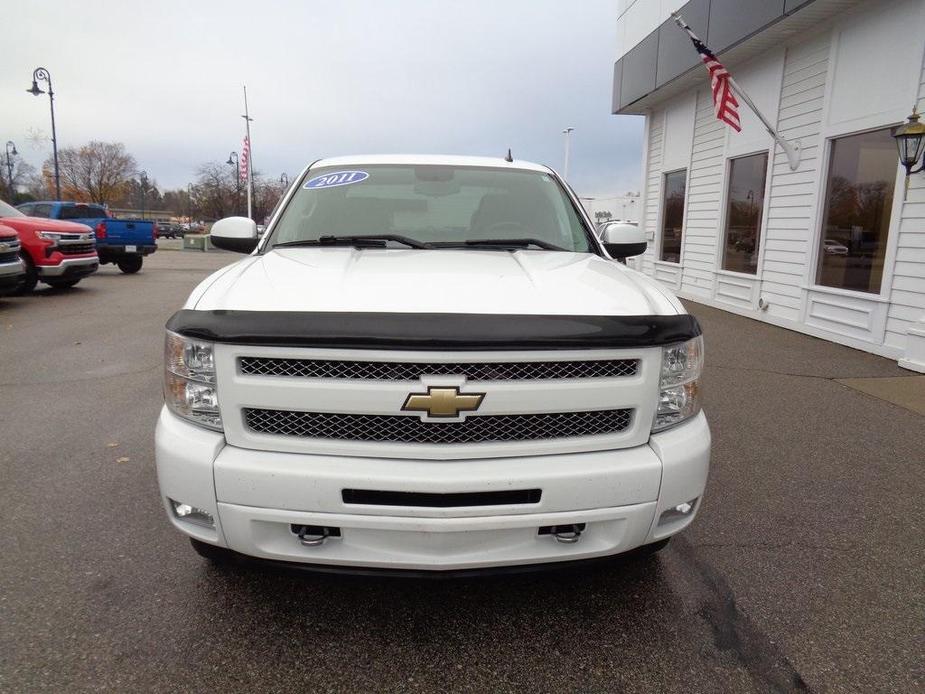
82 212
443 205
9 211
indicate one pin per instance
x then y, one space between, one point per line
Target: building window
743 212
673 215
858 201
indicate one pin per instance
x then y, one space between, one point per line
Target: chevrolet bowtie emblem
443 402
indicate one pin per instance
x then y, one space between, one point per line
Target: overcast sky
323 79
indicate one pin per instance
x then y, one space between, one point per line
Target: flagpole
250 157
791 149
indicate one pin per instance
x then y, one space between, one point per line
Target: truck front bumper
624 498
11 275
69 268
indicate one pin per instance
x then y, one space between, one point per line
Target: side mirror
238 234
622 240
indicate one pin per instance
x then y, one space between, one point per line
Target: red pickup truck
12 269
57 253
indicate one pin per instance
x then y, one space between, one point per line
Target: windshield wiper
503 244
357 241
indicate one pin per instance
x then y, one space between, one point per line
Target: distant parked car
169 230
124 242
12 269
833 247
55 252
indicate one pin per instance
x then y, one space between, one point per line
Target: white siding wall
653 187
791 215
704 192
908 295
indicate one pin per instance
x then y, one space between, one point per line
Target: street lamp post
143 182
235 162
566 132
189 203
9 164
41 73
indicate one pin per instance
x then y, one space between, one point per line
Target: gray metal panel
733 20
791 6
617 80
638 77
676 54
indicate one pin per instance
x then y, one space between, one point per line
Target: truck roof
63 203
432 160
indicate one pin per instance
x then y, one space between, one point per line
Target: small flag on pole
725 105
245 158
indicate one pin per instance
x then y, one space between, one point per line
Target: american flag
245 158
725 104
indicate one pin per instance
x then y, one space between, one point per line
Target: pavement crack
734 633
775 373
773 545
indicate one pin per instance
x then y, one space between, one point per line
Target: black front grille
77 248
411 429
373 497
412 371
9 256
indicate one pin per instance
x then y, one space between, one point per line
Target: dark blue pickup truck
124 242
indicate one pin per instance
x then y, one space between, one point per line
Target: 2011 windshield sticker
338 178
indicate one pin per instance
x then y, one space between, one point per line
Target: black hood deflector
431 331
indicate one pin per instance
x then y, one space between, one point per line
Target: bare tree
214 191
95 172
22 175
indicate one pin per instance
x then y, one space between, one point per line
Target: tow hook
568 534
315 535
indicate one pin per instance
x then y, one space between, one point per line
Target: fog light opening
191 514
676 513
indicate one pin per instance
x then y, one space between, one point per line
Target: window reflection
858 201
743 213
673 216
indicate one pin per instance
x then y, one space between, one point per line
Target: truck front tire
215 555
31 278
62 284
652 548
130 264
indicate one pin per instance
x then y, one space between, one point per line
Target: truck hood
43 224
432 281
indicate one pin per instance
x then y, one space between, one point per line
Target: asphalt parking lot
803 571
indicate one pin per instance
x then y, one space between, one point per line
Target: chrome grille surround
411 429
412 371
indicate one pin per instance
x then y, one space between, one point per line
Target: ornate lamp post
235 162
10 150
910 141
42 74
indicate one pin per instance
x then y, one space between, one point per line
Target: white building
836 248
624 207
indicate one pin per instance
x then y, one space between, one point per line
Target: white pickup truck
430 364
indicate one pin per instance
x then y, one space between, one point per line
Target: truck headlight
679 383
189 381
51 236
